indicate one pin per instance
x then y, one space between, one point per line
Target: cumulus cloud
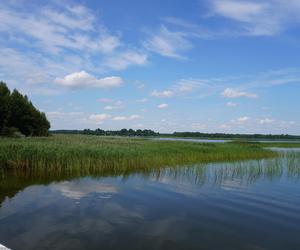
83 79
266 121
232 93
126 118
163 106
100 118
45 42
162 94
185 87
168 43
241 120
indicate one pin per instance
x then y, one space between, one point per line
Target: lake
221 140
191 140
243 205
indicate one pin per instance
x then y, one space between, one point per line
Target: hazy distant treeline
122 132
19 116
148 132
233 136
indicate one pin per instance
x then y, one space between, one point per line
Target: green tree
21 114
4 106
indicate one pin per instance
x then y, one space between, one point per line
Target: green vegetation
286 165
280 144
148 132
18 115
116 154
235 136
101 132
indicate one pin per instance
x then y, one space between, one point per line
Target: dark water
248 205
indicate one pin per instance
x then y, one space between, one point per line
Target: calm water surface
248 205
191 140
221 141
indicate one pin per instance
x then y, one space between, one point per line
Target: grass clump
115 154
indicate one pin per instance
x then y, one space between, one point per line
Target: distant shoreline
184 135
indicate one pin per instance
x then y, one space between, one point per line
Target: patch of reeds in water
85 154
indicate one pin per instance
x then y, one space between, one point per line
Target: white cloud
126 118
258 18
243 11
45 42
125 59
168 43
60 114
163 106
99 118
232 93
81 20
80 190
105 100
241 120
53 29
114 107
287 124
231 104
114 104
83 80
266 121
190 29
162 94
108 44
200 88
186 86
84 120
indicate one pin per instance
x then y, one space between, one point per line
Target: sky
229 66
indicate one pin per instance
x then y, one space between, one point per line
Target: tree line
18 115
235 136
148 132
98 131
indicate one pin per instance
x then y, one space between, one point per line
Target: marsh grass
86 154
277 144
286 165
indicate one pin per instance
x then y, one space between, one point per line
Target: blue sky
201 65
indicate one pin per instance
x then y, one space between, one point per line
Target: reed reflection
214 174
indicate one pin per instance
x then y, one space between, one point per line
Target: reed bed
84 154
278 144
